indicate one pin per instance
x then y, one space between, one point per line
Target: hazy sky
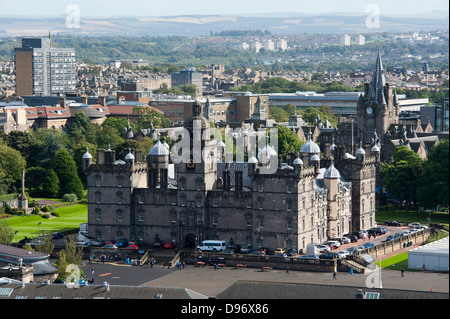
103 8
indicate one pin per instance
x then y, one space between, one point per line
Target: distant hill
201 25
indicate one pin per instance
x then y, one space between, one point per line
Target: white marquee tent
433 256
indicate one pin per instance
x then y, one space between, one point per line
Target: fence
294 263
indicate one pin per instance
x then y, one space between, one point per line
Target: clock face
369 110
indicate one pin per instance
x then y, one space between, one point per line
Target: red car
132 247
169 244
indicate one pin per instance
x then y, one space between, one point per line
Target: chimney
84 99
226 180
238 181
102 100
62 102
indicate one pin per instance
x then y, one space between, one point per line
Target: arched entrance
190 241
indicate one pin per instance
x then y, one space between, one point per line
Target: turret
87 160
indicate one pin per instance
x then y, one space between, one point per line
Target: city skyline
139 8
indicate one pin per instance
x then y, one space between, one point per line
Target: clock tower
377 107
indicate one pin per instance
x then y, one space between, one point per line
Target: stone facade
295 205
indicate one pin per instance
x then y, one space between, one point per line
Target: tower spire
376 93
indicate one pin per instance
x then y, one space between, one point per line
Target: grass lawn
396 262
70 217
413 216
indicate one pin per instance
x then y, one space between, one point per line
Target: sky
154 8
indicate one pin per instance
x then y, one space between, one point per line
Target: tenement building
262 202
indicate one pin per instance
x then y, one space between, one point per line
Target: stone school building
306 200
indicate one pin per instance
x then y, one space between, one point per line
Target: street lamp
39 228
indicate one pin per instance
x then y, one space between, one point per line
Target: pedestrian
92 271
402 272
215 266
334 275
287 269
351 271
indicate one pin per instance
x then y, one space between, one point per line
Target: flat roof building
44 70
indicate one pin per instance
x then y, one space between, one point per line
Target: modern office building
44 70
188 76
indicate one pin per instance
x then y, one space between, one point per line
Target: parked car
343 254
368 244
417 228
353 238
360 248
416 225
279 251
309 256
324 248
169 245
334 243
97 243
57 235
397 235
392 223
345 240
291 252
122 242
82 244
406 232
390 237
329 255
352 250
132 247
227 251
363 234
280 255
110 246
246 249
374 231
256 253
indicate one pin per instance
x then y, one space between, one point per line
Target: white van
312 249
212 245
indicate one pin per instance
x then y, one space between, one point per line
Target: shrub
45 209
70 198
45 216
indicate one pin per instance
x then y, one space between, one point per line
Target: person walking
402 272
334 275
287 269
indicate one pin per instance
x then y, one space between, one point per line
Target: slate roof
272 290
60 291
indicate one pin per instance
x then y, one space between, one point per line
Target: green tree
70 255
6 233
11 165
288 141
433 189
402 175
66 170
50 184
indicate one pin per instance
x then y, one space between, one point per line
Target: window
98 197
119 181
289 204
260 187
119 215
119 197
248 220
98 180
289 224
98 214
215 219
141 214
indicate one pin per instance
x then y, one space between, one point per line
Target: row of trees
53 158
425 182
